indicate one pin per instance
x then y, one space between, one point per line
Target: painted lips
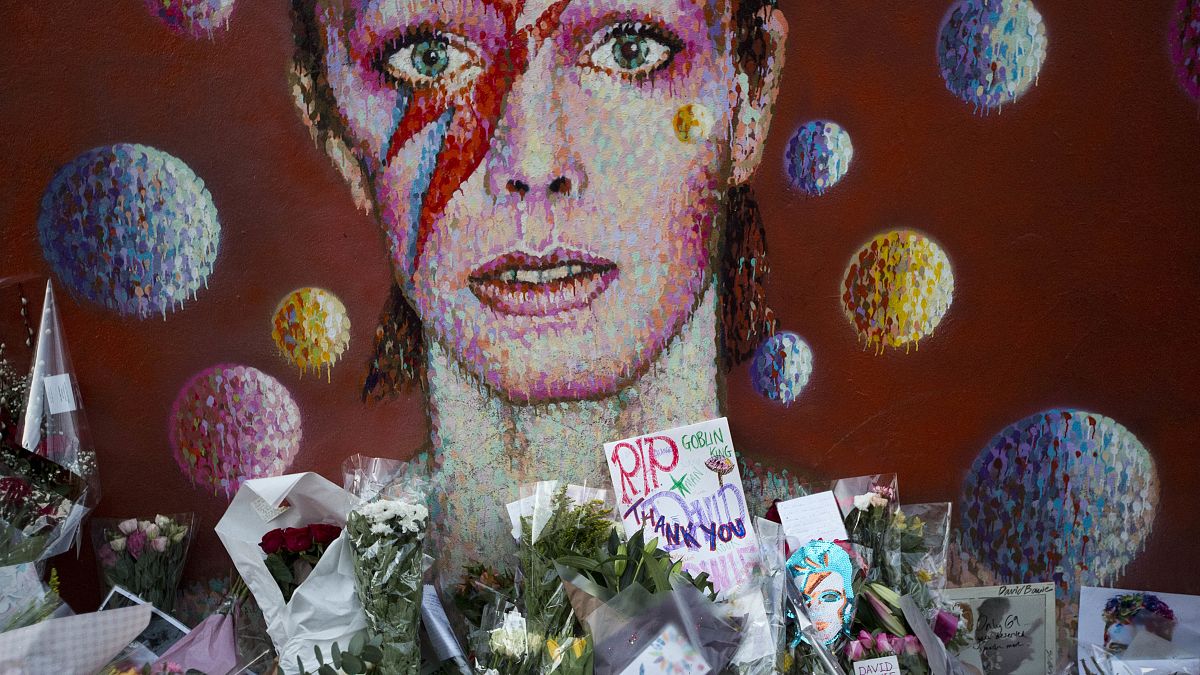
527 285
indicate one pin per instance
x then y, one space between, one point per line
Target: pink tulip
912 645
883 645
855 650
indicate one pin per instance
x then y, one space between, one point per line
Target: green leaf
651 546
658 572
353 664
300 665
371 654
356 643
326 669
337 656
579 562
320 656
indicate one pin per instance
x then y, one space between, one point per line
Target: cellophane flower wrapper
324 608
627 623
869 504
387 533
546 510
145 556
48 477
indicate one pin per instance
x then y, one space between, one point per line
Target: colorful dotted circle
897 289
782 367
818 156
231 423
311 329
130 228
991 51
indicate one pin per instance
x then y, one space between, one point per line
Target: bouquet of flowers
145 557
387 544
558 526
48 479
293 552
892 567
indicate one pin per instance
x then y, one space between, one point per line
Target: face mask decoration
824 573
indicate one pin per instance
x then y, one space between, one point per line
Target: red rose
272 542
298 539
13 490
324 534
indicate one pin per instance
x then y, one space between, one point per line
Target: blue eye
631 49
434 59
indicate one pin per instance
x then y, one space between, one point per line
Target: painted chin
542 286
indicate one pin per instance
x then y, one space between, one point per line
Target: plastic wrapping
48 482
146 557
553 519
629 623
869 505
387 536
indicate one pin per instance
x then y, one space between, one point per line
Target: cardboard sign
683 487
888 665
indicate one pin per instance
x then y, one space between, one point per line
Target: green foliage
636 561
363 655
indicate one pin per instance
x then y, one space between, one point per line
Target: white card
684 488
266 511
888 665
670 652
59 395
812 517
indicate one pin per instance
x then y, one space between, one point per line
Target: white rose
128 526
878 500
863 502
117 544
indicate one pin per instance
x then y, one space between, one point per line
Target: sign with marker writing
888 665
683 487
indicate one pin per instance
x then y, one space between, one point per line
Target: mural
551 217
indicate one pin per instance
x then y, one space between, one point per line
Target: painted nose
531 156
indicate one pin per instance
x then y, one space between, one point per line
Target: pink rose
135 543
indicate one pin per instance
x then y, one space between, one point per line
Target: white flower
159 544
150 529
380 528
878 500
128 526
162 521
863 502
117 544
510 639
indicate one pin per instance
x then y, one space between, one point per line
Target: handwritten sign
683 487
670 652
59 397
888 665
1012 627
810 517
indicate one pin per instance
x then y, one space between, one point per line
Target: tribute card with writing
683 486
1010 629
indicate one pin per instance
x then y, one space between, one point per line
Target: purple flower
945 625
135 543
108 557
866 640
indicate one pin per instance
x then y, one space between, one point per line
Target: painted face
548 173
827 606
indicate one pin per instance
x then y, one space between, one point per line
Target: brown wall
1070 219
